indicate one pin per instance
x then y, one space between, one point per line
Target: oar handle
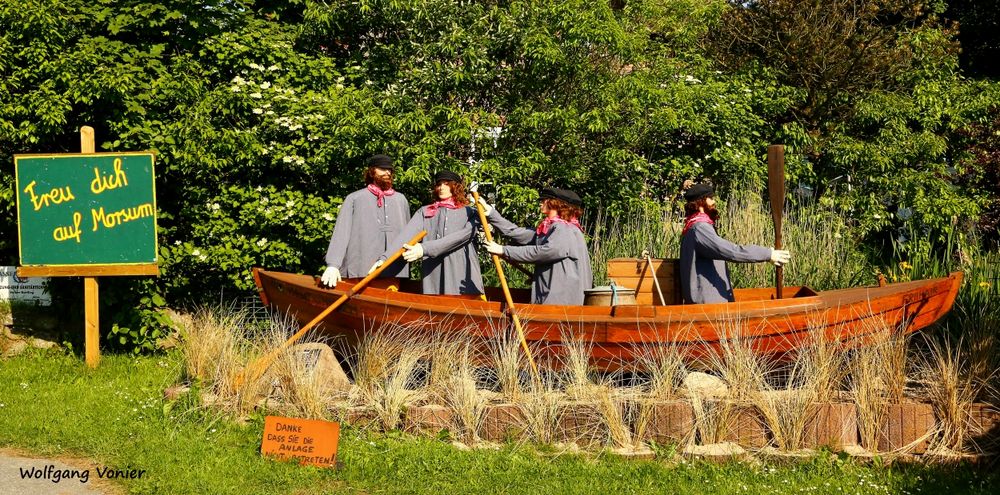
776 192
503 285
257 368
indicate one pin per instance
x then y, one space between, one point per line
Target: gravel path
23 474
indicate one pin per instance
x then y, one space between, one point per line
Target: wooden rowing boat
620 334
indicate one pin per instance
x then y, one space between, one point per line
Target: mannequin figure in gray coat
556 247
368 220
704 274
447 255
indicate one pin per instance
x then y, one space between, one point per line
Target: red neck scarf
432 209
693 219
543 228
379 193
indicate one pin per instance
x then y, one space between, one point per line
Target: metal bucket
609 295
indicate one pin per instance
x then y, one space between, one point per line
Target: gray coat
450 264
704 274
364 230
562 263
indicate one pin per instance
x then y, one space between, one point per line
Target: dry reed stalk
951 388
664 365
446 354
877 377
207 336
248 346
575 364
378 350
744 370
389 397
384 367
508 360
464 399
823 359
714 419
613 405
541 407
304 390
983 352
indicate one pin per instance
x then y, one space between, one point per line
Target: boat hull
619 335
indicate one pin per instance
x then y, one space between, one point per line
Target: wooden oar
503 285
257 368
652 270
776 191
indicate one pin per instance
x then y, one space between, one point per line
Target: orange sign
310 441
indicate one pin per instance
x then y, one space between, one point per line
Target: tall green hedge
262 114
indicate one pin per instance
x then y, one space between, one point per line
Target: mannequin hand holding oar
257 368
503 285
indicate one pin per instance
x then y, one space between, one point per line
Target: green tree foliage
261 113
877 105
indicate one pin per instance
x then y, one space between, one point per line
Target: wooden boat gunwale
923 302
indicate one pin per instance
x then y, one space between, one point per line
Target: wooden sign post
86 215
311 441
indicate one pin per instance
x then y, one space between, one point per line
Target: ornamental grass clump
508 361
239 391
789 399
877 373
447 354
466 401
943 371
304 391
574 361
541 405
737 362
663 369
207 338
384 371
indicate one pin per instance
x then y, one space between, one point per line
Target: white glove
375 266
413 252
331 276
487 209
494 248
780 257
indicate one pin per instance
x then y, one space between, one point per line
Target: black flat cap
447 175
380 161
560 194
698 191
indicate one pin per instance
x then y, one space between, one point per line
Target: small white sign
14 288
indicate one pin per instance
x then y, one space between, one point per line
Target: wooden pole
256 369
506 289
92 335
776 192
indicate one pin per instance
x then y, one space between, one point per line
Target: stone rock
906 427
429 419
747 428
705 386
503 422
715 452
174 392
833 425
666 422
639 452
581 422
361 417
12 348
322 361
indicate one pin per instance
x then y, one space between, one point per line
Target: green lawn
52 404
